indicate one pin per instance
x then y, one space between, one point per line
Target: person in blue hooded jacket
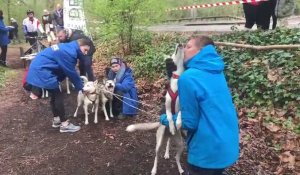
4 40
125 87
52 66
208 112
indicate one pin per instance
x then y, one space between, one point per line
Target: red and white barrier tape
215 4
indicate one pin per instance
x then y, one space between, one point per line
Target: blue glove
164 121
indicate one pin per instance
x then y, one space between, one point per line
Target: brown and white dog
163 134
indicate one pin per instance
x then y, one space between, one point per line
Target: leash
117 95
133 106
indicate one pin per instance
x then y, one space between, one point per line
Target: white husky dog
89 97
163 134
107 96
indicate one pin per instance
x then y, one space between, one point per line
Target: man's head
30 13
58 7
46 12
194 45
116 64
63 35
1 13
84 45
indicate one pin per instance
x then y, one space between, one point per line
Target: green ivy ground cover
265 80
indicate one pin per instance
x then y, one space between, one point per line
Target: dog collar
175 76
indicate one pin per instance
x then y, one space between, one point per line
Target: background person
31 26
58 17
4 40
48 26
15 24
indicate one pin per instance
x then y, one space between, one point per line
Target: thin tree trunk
8 12
51 4
269 47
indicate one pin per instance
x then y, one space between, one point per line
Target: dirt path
29 145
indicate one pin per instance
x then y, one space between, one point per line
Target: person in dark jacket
207 110
125 86
4 40
48 26
15 24
58 17
85 65
52 66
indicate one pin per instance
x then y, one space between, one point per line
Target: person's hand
164 120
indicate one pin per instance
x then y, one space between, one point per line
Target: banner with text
74 15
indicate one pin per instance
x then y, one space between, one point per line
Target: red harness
173 95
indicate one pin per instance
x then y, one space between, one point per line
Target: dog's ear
96 82
84 79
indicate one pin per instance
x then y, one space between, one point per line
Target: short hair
1 13
61 30
202 40
83 42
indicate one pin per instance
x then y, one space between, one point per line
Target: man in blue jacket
50 67
4 40
208 112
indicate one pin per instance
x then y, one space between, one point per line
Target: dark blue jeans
85 67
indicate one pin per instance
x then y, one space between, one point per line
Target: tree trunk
8 12
51 4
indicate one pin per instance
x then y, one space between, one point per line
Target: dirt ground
29 145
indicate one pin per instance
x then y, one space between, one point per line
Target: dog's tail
84 79
142 127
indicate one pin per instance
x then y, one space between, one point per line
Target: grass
4 74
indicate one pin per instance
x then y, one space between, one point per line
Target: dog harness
93 101
173 95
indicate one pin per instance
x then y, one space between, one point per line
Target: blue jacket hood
207 59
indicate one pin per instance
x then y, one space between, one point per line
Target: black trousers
32 40
193 170
260 14
85 67
251 14
57 104
56 100
3 54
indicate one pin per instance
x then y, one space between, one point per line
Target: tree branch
247 46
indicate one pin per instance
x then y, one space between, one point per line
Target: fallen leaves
287 157
272 127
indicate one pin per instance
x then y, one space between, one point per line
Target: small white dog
107 91
89 97
163 135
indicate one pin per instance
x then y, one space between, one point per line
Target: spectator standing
15 24
4 40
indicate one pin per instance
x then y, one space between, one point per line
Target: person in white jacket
31 26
